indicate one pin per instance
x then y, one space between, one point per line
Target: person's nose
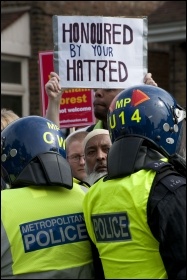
98 92
82 160
101 155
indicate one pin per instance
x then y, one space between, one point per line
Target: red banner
76 108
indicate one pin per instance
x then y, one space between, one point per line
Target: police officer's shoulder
167 175
173 181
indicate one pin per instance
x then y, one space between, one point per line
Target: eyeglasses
76 158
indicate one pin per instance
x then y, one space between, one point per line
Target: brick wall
167 63
158 65
178 72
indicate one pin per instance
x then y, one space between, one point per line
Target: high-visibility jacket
116 218
43 234
98 124
83 185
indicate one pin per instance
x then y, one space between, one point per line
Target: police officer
43 234
136 215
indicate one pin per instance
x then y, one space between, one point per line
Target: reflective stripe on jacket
44 234
116 219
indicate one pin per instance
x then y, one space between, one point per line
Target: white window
14 84
15 52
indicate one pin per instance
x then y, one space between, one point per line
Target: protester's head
104 97
33 145
75 154
150 113
96 146
7 116
102 100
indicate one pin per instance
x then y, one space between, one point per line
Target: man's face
96 152
102 101
75 157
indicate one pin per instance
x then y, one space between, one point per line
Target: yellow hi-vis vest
44 234
99 124
82 184
116 220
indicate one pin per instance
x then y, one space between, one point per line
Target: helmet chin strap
48 169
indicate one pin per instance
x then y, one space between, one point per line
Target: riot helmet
25 141
151 113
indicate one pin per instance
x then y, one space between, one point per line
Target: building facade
26 29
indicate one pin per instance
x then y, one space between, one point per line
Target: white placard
100 52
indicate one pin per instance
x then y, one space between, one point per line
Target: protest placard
100 52
76 106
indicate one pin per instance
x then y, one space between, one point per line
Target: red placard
76 108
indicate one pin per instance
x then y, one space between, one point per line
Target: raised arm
54 92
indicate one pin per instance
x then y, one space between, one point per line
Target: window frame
18 89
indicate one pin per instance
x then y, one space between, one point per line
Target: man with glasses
75 155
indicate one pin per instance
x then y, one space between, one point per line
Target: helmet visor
181 144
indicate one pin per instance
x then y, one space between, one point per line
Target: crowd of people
107 202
